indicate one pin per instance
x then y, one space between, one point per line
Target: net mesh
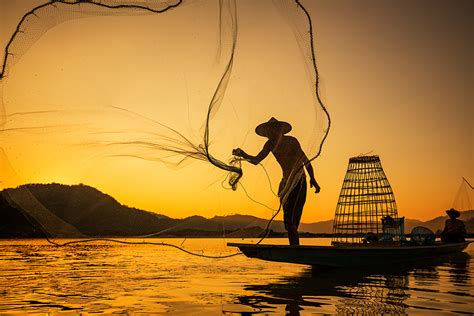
464 196
173 82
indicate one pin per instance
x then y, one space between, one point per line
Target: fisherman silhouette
454 228
288 153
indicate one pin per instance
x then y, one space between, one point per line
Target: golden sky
397 79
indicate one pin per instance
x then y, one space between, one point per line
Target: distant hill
438 222
15 223
81 210
433 224
90 211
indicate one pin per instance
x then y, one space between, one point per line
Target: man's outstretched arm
312 180
254 159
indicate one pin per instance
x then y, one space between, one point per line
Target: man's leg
293 235
293 209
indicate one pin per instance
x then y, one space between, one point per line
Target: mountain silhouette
92 213
15 223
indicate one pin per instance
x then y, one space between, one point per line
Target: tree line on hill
85 211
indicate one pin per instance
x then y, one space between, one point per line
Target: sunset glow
396 84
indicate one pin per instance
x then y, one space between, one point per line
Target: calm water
114 278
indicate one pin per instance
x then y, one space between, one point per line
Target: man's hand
238 152
314 184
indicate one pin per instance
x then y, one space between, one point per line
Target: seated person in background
454 229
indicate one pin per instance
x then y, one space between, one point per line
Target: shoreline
468 236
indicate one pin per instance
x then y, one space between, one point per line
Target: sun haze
396 78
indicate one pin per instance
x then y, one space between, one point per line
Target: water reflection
368 291
459 267
36 277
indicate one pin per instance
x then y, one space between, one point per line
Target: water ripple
104 277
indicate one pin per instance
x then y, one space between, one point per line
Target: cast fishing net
464 196
148 99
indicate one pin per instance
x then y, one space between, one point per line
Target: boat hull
349 256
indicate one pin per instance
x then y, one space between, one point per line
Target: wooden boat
366 229
349 255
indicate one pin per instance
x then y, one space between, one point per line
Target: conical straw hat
272 125
453 213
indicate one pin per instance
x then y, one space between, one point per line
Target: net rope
179 145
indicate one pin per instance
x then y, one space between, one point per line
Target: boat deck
349 255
